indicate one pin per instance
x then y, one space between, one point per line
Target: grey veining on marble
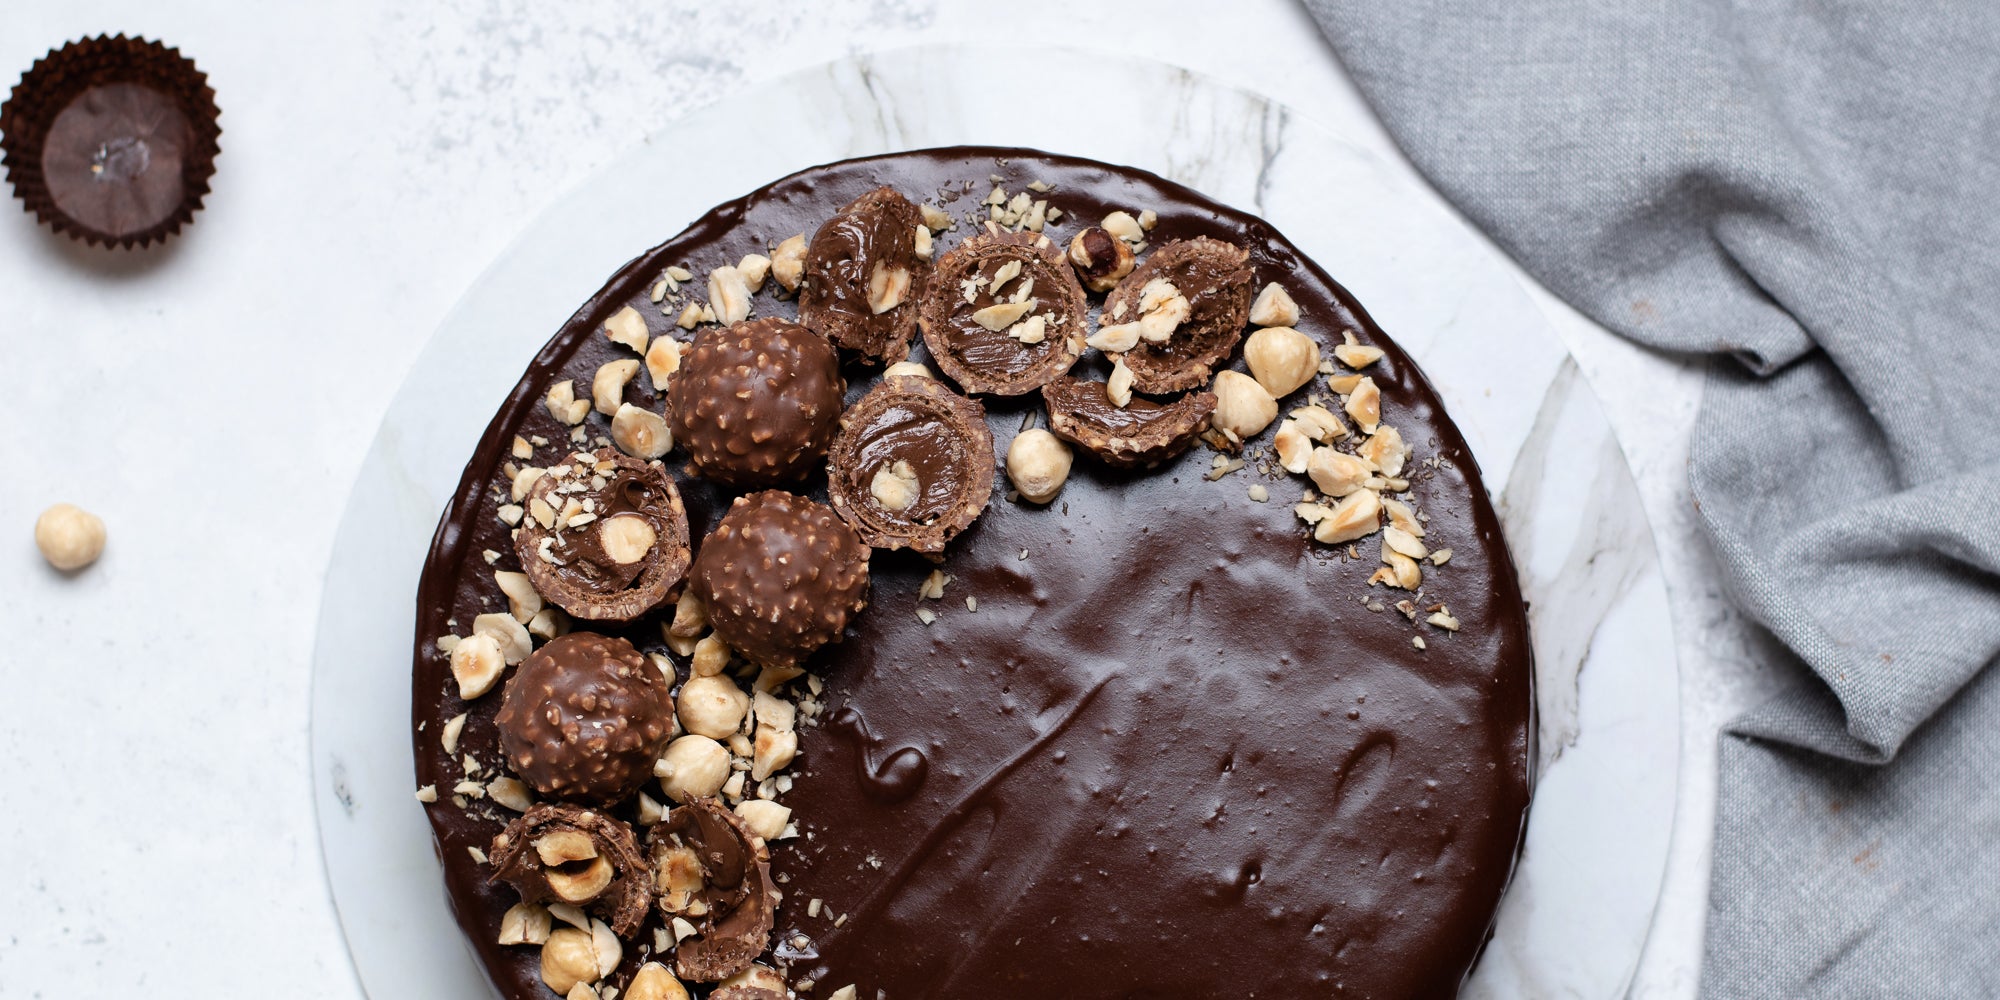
1533 427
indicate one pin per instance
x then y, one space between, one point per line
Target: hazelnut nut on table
69 537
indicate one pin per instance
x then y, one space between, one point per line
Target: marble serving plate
1574 920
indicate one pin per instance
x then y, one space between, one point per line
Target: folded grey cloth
1808 190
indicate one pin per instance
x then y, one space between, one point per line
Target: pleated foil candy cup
111 140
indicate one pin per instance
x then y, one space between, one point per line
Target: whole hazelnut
693 767
69 536
1100 258
569 957
1281 359
1038 463
654 982
1243 408
712 706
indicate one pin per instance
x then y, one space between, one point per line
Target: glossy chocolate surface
1174 752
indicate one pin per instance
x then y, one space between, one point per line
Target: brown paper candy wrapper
111 140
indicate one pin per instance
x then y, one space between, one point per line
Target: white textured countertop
212 401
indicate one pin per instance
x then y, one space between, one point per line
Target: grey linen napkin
1808 191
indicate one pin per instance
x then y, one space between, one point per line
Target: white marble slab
1573 923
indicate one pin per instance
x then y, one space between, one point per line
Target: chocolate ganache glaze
1178 749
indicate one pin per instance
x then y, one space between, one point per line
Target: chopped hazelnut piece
1398 540
754 267
663 359
1319 423
1335 472
887 286
563 404
1116 338
1354 354
1001 315
901 368
764 818
1125 227
1274 307
728 295
1365 405
1403 570
1386 451
640 432
525 923
788 262
1357 516
626 327
607 387
512 638
1118 388
1400 516
522 600
711 656
895 485
935 218
1293 446
476 663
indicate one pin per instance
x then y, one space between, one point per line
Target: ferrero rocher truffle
913 465
715 874
570 854
863 278
604 536
584 717
780 577
756 404
1004 313
1187 304
1140 433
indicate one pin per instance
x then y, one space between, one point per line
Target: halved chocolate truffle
1143 432
584 717
570 854
913 465
604 536
111 140
1189 300
711 871
757 403
863 278
780 576
1004 313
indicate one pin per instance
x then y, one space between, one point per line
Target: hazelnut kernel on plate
627 327
1274 307
69 537
654 982
568 958
1038 463
1281 359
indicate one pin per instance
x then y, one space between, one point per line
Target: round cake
1140 627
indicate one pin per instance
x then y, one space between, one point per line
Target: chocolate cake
1190 663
